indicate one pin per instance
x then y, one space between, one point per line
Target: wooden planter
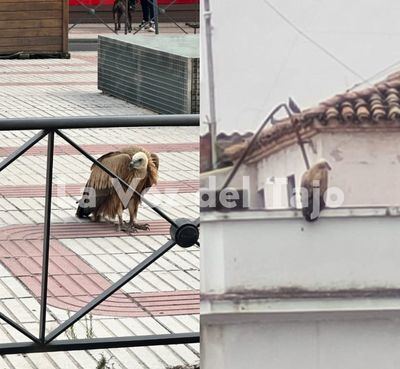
34 27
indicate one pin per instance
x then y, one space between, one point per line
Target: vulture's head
139 161
323 164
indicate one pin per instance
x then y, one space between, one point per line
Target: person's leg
145 10
151 10
151 27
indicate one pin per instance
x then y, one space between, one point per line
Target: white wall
331 344
264 253
250 254
280 165
245 178
365 167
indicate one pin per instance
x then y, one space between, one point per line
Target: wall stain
337 154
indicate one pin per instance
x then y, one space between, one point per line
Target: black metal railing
184 232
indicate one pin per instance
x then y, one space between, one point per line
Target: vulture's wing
307 190
152 171
117 162
145 184
99 185
307 195
105 156
323 186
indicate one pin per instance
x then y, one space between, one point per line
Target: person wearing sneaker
148 15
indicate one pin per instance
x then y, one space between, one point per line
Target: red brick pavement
49 72
103 148
4 65
73 282
30 191
76 230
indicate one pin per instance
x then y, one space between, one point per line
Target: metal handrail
173 120
183 232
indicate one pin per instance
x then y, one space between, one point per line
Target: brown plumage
143 185
314 184
104 197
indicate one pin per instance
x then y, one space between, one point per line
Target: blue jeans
147 10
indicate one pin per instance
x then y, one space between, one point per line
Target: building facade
279 292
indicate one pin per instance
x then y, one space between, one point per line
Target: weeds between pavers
103 362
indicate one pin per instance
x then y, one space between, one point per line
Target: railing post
183 233
46 235
155 7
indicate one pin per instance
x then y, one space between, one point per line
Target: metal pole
249 147
110 290
100 343
19 328
46 235
299 139
302 148
211 83
126 16
23 149
155 8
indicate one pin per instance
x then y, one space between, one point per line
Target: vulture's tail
307 217
83 211
308 209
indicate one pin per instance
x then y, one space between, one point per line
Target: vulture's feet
133 228
126 227
142 227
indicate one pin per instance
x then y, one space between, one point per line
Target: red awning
111 2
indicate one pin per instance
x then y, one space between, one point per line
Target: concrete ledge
349 249
225 311
343 212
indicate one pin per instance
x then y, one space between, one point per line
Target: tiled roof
223 141
377 106
377 103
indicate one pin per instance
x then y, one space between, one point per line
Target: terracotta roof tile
378 104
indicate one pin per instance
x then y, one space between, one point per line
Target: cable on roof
325 50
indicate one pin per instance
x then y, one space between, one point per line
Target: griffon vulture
105 197
314 184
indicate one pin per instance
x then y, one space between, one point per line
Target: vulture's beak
328 166
132 164
135 163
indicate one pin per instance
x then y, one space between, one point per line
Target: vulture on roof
314 184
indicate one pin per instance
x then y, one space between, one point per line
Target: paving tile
19 361
4 364
82 267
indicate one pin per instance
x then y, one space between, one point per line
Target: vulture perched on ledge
314 184
104 197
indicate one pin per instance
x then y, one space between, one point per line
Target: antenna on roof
293 106
290 108
251 144
212 120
